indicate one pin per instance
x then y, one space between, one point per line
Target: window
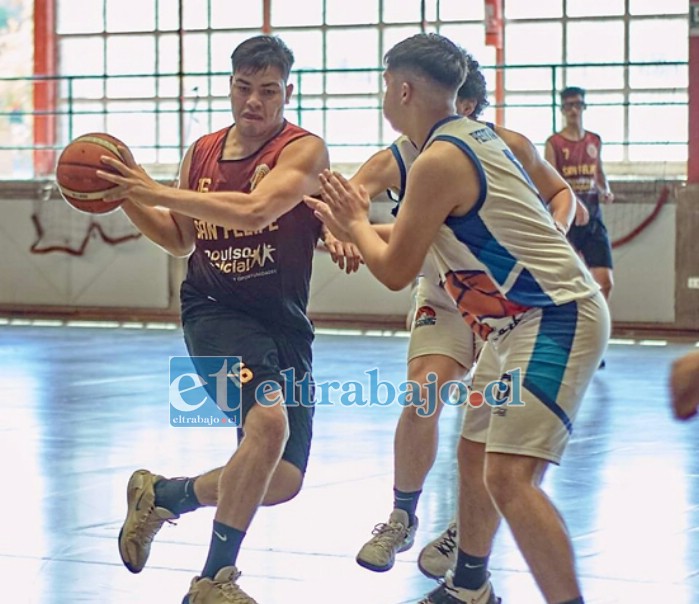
288 13
585 8
458 10
532 44
530 114
402 11
658 40
129 16
78 17
124 59
650 7
357 12
526 9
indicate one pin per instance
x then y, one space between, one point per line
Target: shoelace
234 594
386 535
149 524
447 544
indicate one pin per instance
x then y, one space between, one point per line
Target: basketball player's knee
292 489
421 416
270 430
470 457
277 430
285 484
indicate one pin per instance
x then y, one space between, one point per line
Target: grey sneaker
448 593
222 589
379 553
143 520
439 556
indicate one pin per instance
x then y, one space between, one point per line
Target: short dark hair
431 55
474 86
260 52
570 91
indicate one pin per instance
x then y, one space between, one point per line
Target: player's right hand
346 255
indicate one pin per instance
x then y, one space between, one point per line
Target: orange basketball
76 177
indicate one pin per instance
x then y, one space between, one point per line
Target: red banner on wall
493 23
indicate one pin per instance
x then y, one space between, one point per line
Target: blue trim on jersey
401 168
520 168
527 291
551 355
439 124
470 230
476 236
482 180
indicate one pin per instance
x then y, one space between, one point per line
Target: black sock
223 550
406 502
470 572
576 601
176 495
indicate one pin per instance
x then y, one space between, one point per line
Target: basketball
76 172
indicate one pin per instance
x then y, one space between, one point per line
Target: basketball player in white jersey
517 283
440 341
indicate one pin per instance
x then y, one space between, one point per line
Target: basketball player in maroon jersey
238 215
576 154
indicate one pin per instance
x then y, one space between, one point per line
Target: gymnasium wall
136 280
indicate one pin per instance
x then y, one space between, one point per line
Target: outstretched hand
343 206
322 211
606 197
346 255
133 182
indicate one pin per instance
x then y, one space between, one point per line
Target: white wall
131 274
136 274
644 269
334 292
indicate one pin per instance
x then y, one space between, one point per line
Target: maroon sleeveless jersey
263 273
578 163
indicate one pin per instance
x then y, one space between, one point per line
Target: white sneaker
439 555
379 553
448 593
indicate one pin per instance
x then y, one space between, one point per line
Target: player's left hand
582 215
347 203
606 197
346 255
343 205
133 182
323 212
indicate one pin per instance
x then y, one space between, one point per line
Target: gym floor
83 406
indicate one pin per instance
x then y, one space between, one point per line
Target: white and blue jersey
505 255
521 287
405 153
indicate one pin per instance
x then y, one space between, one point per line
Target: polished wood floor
82 407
